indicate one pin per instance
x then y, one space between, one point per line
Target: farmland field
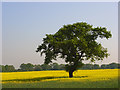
101 78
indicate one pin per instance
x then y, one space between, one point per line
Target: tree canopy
75 43
27 67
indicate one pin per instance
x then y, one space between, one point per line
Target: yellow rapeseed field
60 75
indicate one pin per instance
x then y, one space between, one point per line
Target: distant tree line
54 66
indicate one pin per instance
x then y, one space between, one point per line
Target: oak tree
74 43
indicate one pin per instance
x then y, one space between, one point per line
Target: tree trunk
70 74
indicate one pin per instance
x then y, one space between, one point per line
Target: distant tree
23 67
19 70
96 66
62 66
108 66
37 68
0 68
30 66
46 67
88 66
9 68
113 65
55 66
3 68
27 67
103 66
75 43
118 65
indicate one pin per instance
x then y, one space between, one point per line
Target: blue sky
25 24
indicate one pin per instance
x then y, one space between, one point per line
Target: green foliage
37 68
88 66
62 66
0 68
27 67
75 43
46 67
113 65
110 66
55 66
96 66
103 66
7 68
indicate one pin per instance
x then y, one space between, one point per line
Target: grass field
101 78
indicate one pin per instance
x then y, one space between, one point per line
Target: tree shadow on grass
41 78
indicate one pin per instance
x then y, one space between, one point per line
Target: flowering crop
60 75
